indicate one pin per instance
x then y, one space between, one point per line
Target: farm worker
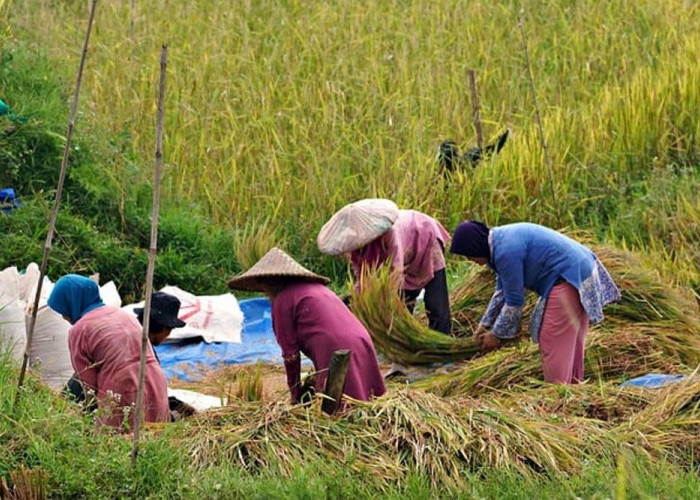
163 318
105 348
374 231
572 283
309 318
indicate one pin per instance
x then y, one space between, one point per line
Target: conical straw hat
356 224
274 264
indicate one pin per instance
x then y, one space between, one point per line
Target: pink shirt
105 347
416 243
310 318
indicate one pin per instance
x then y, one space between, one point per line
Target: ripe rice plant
264 120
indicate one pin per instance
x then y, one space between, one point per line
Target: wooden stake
335 383
132 15
57 201
151 254
475 109
543 142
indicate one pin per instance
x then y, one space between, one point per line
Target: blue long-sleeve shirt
534 257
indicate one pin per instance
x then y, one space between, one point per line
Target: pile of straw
669 426
538 429
388 438
605 402
610 354
646 297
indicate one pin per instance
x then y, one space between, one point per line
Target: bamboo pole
151 253
543 142
475 110
56 203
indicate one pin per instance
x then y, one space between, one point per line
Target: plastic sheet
190 361
653 380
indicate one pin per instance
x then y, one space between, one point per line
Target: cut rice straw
388 438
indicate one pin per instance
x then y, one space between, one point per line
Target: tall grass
295 108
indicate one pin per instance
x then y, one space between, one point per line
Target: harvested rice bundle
397 333
469 298
603 401
630 351
670 425
645 296
278 437
388 437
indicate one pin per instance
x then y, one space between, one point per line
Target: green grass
48 433
103 225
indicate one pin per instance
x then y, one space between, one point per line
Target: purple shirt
415 243
311 319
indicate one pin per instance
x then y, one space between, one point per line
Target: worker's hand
490 342
480 332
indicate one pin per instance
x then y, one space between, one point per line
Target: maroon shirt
105 348
311 319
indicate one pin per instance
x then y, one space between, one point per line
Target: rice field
280 112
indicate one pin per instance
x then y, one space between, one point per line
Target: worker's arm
86 369
512 278
284 325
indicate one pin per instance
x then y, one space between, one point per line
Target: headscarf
471 239
74 296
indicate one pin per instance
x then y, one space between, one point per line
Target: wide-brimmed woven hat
274 264
356 224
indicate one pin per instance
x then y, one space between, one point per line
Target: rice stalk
645 296
604 401
249 383
388 438
395 331
610 354
650 316
670 425
25 484
253 241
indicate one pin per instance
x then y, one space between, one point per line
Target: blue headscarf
74 296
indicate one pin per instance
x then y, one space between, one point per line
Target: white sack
12 330
110 295
197 400
49 353
216 318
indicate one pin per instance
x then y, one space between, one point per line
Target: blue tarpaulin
653 380
8 200
191 360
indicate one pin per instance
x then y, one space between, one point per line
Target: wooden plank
335 383
475 110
